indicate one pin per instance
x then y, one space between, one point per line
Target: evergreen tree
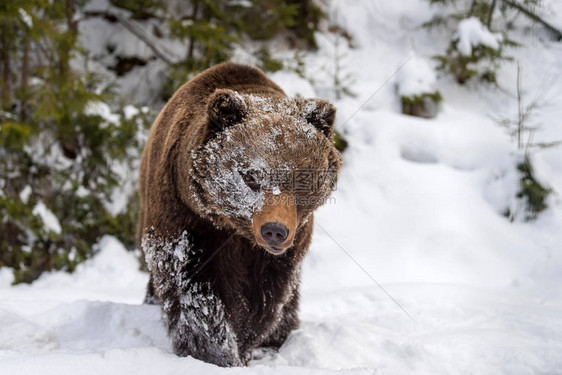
212 28
482 59
59 144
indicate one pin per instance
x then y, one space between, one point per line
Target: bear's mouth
275 250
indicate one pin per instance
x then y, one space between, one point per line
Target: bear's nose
274 233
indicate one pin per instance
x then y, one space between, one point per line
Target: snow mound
471 33
18 334
6 277
113 274
416 77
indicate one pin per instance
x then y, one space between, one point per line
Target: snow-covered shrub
474 51
416 89
531 190
480 33
532 195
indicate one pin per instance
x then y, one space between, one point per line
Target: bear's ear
225 108
321 114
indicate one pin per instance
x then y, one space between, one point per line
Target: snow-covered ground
417 216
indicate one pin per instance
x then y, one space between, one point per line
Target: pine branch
535 17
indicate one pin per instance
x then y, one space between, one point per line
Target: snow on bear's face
268 165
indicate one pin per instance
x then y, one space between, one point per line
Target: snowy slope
417 211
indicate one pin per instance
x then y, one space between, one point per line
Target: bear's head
266 164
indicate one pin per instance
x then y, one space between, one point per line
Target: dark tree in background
58 152
211 29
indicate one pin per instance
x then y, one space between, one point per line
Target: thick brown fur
222 294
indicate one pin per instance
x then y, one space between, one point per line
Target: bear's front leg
288 322
201 329
194 316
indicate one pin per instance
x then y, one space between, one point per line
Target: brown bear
229 178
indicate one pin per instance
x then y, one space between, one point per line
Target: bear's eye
251 182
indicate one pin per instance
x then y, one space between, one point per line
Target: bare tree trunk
24 79
68 141
303 11
337 67
63 49
70 21
519 108
491 13
191 40
472 7
6 72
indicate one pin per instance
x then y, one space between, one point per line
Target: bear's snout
274 226
274 233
